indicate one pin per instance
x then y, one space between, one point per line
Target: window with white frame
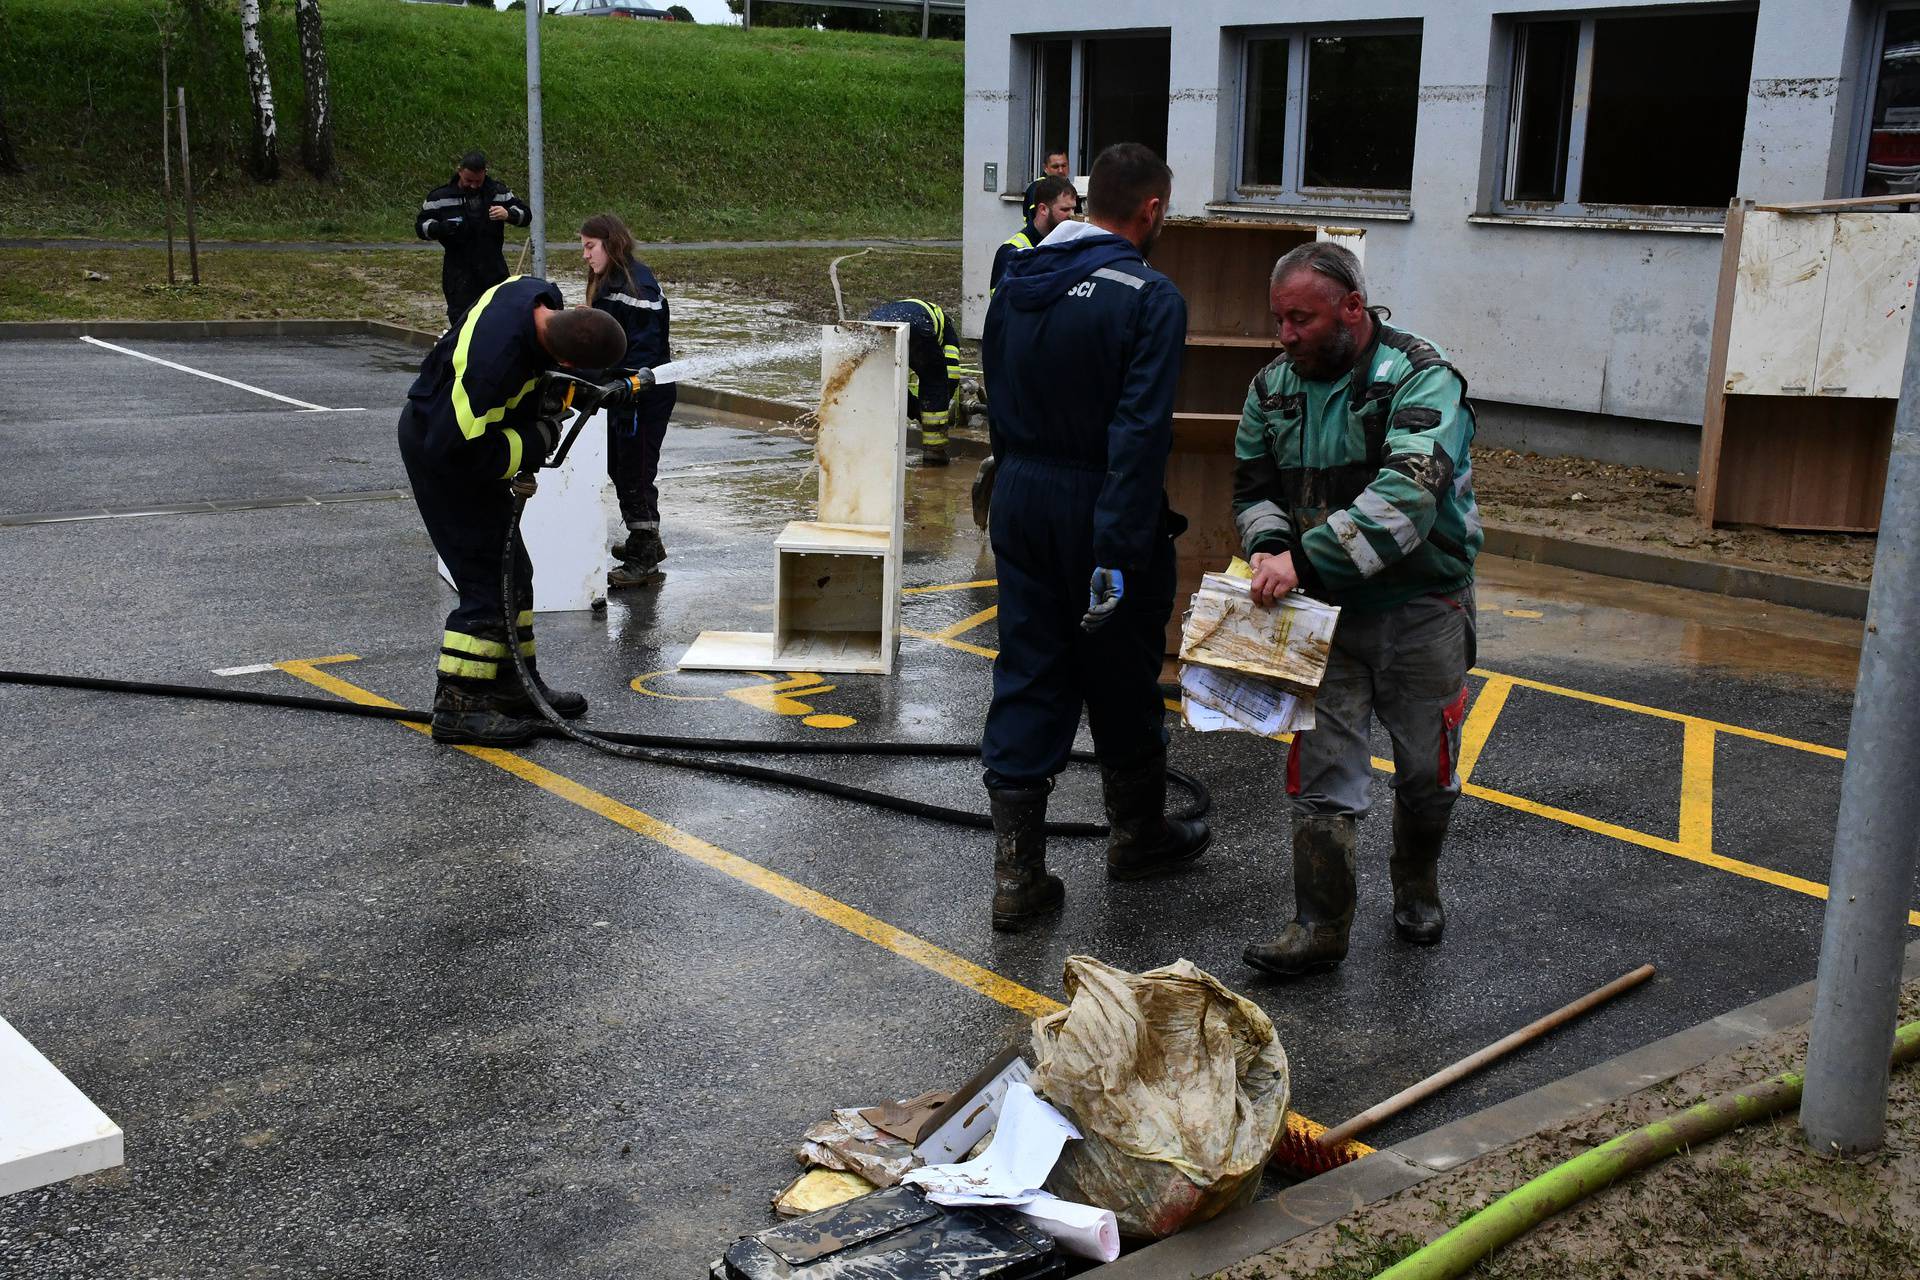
1639 116
1890 159
1092 91
1328 113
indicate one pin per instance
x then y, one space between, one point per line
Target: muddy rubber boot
567 704
633 573
1145 841
475 713
934 455
1417 913
1023 892
1324 848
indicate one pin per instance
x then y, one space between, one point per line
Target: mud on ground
1647 510
1754 1204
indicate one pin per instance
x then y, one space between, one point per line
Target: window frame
1569 208
1861 140
1292 191
1029 94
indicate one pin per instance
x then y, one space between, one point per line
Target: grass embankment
404 287
688 132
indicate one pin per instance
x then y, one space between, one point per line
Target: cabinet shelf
1231 340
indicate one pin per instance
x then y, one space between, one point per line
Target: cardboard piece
973 1110
908 1119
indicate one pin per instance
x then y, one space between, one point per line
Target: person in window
468 214
1056 167
1082 353
1054 203
1352 483
625 288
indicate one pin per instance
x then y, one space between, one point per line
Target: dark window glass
1543 109
1893 144
1363 96
1126 88
1056 91
1266 123
1668 109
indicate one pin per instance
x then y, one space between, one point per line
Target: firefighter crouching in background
472 422
935 364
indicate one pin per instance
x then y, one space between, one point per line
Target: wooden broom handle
1473 1062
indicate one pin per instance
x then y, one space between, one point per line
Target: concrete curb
1321 1201
1794 590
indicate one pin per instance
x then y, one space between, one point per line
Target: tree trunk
9 162
316 146
266 151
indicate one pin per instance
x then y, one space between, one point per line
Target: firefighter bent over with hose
471 423
935 363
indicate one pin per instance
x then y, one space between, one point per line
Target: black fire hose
652 748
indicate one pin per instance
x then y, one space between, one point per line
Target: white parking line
253 670
214 377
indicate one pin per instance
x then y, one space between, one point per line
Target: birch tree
316 144
266 152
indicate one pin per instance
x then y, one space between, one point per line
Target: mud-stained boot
568 704
1324 850
1144 840
1417 913
1023 892
475 713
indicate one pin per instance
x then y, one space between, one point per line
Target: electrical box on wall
991 181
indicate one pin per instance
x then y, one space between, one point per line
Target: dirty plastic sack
1179 1085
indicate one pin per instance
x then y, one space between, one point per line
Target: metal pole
536 147
926 17
186 188
1878 837
746 15
166 155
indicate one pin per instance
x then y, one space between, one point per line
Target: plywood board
1200 487
49 1130
862 440
811 535
1869 308
824 592
1222 272
1773 337
836 651
729 651
1804 462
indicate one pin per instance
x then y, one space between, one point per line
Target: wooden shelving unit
1222 267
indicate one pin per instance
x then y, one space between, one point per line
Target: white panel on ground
49 1132
837 577
570 527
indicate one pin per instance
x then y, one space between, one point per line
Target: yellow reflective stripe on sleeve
468 667
471 424
479 647
515 451
1019 240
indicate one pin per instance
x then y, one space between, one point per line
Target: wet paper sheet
1214 700
1287 642
1026 1145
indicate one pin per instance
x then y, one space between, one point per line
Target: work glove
1104 592
983 490
624 390
538 443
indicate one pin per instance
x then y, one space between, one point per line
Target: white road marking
253 670
214 377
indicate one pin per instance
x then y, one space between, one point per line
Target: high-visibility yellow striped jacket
1366 479
478 387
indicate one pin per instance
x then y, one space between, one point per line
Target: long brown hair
612 233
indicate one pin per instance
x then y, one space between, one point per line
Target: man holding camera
468 214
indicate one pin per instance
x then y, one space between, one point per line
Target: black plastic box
900 1234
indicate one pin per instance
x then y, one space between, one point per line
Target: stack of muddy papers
1252 668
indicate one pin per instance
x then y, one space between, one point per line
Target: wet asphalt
369 1007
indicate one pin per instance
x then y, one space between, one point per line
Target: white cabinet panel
1773 337
1871 269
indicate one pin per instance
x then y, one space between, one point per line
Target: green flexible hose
1516 1213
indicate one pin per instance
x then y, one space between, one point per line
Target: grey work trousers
1408 666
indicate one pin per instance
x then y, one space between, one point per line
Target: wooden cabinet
1222 268
1810 341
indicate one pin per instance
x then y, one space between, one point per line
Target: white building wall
1576 337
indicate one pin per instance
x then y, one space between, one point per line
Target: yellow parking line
949 586
1487 707
967 624
901 943
1662 713
1696 812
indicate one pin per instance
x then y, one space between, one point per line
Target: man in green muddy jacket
1352 483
